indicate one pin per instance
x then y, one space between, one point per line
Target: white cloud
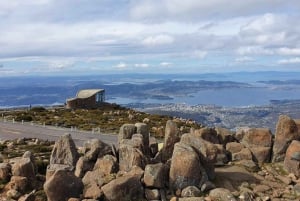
244 59
102 33
199 54
121 65
288 51
158 40
193 10
142 65
60 64
165 64
295 60
271 30
254 50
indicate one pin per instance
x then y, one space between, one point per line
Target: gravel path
10 130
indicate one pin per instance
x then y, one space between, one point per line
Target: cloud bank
74 36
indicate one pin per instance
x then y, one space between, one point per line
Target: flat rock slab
231 177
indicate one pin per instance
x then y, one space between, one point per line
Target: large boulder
207 151
101 175
224 135
24 167
259 141
82 166
96 149
244 154
286 132
63 185
208 134
155 175
5 171
185 169
234 147
93 181
129 156
261 137
240 132
125 188
126 132
107 165
292 158
52 168
19 184
171 137
143 129
64 151
137 142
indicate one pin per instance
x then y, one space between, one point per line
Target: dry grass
108 118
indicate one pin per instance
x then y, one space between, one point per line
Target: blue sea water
231 97
46 91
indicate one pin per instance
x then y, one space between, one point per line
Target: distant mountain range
212 99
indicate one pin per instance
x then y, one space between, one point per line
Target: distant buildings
87 98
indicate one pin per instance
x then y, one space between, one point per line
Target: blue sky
58 37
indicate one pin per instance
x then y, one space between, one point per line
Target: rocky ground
203 164
228 117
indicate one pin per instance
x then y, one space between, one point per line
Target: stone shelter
87 98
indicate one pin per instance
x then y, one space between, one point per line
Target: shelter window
99 97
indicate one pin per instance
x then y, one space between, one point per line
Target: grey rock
152 194
171 137
190 191
64 151
82 166
96 149
185 166
286 132
126 188
63 185
5 171
126 132
25 168
130 156
143 129
155 175
221 194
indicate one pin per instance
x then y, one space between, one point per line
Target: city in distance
221 99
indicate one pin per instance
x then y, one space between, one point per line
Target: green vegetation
107 119
41 152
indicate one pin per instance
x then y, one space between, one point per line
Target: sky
66 37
